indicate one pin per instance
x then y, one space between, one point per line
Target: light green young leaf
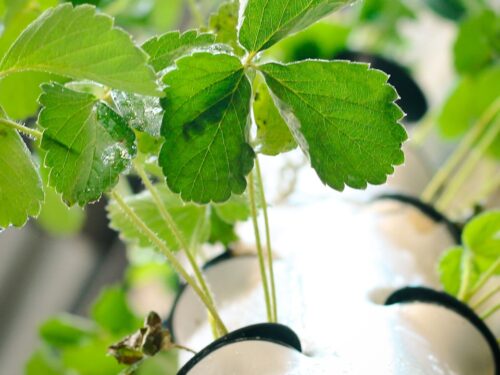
186 216
78 43
43 362
265 22
235 209
478 42
88 145
206 156
165 49
273 135
482 234
66 330
224 24
343 116
21 192
450 270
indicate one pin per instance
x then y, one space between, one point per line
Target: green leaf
88 145
450 270
55 217
235 209
273 134
343 115
186 216
450 9
221 231
143 113
111 311
265 22
206 156
224 24
43 362
478 42
21 191
482 234
80 44
90 359
66 330
165 49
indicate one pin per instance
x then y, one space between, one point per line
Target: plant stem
260 253
490 312
444 173
464 283
484 278
155 240
176 232
268 240
21 128
468 167
486 297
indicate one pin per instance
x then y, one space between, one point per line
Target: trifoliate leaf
88 145
21 192
143 113
224 24
450 270
482 234
265 22
235 209
187 217
206 156
165 49
78 43
343 115
273 135
468 102
478 42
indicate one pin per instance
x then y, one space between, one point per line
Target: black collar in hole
426 295
427 210
270 332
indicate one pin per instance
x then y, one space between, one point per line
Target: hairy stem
486 297
260 252
21 128
468 167
268 241
484 279
179 237
155 240
444 173
464 282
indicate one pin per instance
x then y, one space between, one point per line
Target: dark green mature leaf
66 330
112 312
80 44
478 42
165 49
265 22
450 270
235 209
273 135
188 217
224 24
21 192
482 234
451 9
206 156
88 144
221 231
343 115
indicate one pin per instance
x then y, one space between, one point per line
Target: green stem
444 173
484 279
468 167
268 241
486 297
179 237
490 312
260 253
21 128
464 282
155 240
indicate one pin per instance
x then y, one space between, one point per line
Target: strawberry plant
179 112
